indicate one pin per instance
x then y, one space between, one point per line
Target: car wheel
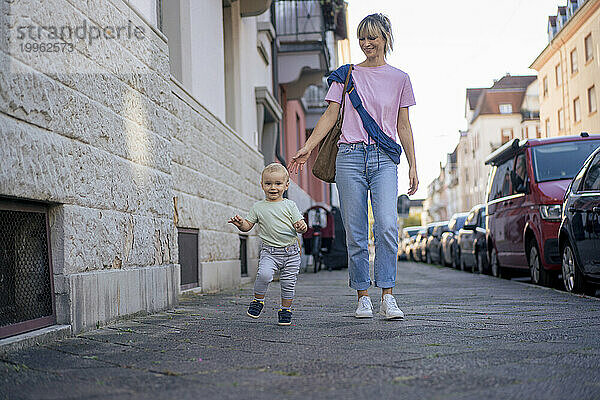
539 275
573 279
463 265
478 268
496 269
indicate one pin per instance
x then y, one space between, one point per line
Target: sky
446 47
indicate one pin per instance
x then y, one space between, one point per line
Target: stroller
320 234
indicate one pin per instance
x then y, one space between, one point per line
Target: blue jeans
361 168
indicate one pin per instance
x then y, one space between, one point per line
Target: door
467 238
517 209
499 201
587 207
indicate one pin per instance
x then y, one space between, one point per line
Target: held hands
300 226
298 160
413 181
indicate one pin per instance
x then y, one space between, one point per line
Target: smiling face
274 183
375 37
372 45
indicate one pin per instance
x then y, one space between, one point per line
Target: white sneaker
365 308
389 309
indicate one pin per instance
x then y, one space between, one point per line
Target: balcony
305 37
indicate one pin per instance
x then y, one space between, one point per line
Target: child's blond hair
276 167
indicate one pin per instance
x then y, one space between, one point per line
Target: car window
501 184
519 178
560 160
591 181
460 221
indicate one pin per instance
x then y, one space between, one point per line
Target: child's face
274 184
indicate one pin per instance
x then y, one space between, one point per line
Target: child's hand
300 226
237 221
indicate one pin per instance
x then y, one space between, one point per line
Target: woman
363 166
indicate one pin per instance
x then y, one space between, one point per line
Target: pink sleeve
335 93
407 97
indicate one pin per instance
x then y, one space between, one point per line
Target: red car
524 202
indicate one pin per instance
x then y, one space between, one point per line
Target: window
187 240
519 178
244 255
501 184
591 181
558 74
591 94
560 160
561 120
27 298
538 132
589 48
505 108
545 86
548 127
574 66
507 134
576 110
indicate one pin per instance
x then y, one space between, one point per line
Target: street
464 337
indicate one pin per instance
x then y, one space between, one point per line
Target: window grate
244 255
26 300
188 257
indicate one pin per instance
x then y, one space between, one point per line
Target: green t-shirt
275 220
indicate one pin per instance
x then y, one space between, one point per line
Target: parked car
417 246
425 254
407 234
472 253
434 242
579 236
524 202
449 247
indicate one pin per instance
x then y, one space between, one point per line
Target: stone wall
215 175
89 132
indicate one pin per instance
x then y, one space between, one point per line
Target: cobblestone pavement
464 337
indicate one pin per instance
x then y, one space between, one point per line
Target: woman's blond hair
375 25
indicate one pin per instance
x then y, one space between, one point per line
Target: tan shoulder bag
324 167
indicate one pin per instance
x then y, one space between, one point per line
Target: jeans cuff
385 285
360 285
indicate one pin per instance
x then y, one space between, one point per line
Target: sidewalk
464 337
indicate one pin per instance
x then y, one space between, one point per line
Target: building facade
569 70
125 152
508 109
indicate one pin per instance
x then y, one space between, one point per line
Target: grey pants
284 259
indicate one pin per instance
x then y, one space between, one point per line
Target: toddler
279 221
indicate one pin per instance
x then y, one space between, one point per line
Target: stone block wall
106 138
215 176
89 132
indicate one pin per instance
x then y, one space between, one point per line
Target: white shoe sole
252 316
363 316
392 317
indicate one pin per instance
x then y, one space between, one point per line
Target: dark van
524 202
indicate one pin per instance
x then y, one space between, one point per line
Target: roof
517 81
472 96
507 90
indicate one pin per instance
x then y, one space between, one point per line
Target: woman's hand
298 160
413 181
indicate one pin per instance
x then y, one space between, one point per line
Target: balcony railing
299 21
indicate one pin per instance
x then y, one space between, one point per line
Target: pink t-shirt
383 90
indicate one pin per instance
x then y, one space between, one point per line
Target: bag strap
344 91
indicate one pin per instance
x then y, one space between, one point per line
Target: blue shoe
285 317
255 308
